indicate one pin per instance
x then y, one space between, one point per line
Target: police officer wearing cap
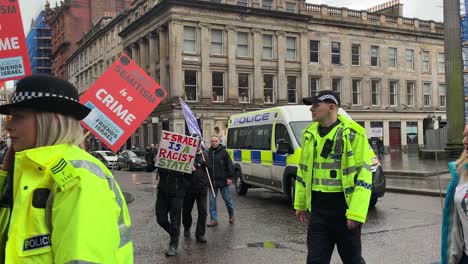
333 184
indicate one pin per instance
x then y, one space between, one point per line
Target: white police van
253 141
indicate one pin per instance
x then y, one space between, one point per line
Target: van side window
233 138
261 137
240 138
281 133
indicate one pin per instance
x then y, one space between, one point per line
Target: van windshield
298 129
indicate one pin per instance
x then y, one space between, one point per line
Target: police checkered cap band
327 96
21 96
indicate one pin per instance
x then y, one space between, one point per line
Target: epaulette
63 174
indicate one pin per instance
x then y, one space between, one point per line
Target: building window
190 86
243 84
336 53
440 62
426 61
243 2
336 86
393 93
292 88
314 51
375 56
217 84
355 54
268 88
410 59
267 4
291 7
427 91
392 57
242 44
314 85
410 88
442 93
375 92
356 85
291 48
267 46
216 42
189 39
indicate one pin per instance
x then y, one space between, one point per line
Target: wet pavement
405 172
401 229
398 163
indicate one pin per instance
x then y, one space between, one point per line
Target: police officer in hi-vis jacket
333 184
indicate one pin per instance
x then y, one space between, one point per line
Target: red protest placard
120 100
14 60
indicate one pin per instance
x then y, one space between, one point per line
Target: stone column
163 53
144 53
404 141
367 126
175 57
205 44
420 133
233 89
386 135
257 56
303 47
153 46
282 95
135 54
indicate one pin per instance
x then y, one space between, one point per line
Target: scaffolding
39 46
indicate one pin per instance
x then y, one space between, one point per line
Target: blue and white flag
191 121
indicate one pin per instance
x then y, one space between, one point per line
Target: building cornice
215 7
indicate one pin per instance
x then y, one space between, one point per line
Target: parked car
131 160
108 158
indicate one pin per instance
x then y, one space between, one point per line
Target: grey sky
423 9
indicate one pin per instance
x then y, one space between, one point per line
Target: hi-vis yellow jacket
356 177
66 208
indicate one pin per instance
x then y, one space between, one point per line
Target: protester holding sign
59 204
174 161
198 192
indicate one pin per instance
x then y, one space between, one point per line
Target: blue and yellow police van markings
279 160
237 153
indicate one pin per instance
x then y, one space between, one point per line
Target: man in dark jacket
221 171
197 192
171 191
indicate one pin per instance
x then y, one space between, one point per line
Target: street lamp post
453 77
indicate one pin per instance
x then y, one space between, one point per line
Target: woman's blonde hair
54 128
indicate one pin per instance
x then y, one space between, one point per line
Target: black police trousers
327 228
167 205
201 199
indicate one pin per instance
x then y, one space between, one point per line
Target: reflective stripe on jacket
67 208
324 167
356 177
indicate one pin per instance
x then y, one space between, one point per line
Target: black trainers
201 239
187 233
171 251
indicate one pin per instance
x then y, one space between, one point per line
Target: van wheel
292 191
241 186
373 201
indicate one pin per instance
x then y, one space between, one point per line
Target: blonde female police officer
59 204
